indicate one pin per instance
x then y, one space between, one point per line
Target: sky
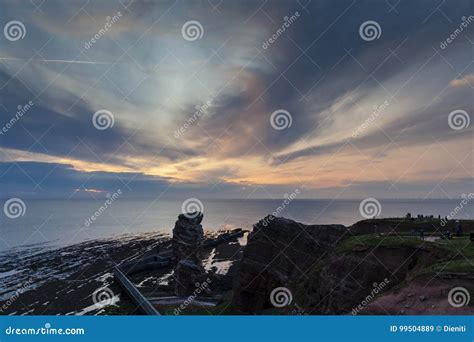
237 99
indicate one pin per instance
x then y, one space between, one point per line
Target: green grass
458 253
457 265
372 240
402 224
461 245
463 256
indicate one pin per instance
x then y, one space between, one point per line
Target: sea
58 223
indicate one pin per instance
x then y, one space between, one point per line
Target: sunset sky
368 117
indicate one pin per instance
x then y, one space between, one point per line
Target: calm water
59 223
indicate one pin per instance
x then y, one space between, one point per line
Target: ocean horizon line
2 198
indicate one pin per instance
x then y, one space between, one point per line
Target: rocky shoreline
378 266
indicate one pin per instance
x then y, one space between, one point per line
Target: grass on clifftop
463 258
402 224
463 246
457 265
373 240
459 251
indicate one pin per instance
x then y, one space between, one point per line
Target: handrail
144 305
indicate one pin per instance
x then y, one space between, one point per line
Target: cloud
35 180
465 81
54 128
51 180
151 79
54 180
